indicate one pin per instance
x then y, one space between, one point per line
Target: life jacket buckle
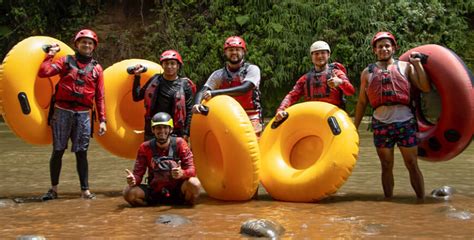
386 80
78 95
388 93
80 82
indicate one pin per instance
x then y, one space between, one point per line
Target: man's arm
294 95
48 68
140 166
417 73
188 94
345 85
187 159
234 91
363 99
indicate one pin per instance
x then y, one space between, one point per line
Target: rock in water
261 228
173 220
443 192
452 212
30 237
6 203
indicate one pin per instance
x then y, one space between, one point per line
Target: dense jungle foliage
278 33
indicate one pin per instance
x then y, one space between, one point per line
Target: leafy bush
278 33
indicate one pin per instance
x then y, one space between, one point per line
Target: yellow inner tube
310 155
25 97
125 118
226 152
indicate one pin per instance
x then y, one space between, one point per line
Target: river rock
173 220
452 212
262 228
443 192
6 203
30 237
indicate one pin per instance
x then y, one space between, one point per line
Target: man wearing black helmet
169 162
81 85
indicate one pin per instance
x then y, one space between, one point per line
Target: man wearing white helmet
325 82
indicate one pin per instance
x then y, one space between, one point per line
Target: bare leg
411 163
191 189
386 160
134 195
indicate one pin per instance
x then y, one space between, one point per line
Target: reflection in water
357 210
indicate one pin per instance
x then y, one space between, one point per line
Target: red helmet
88 34
382 35
171 55
234 41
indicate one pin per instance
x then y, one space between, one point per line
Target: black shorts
165 197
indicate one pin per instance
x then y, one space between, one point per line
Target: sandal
50 195
90 196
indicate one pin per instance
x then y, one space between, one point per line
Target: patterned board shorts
67 124
401 133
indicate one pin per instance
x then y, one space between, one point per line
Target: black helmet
162 118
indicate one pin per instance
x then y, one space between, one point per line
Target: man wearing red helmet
386 85
81 84
166 92
238 79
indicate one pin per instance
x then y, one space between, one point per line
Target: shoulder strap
242 73
309 77
153 147
172 151
72 63
396 63
154 96
190 83
245 70
371 67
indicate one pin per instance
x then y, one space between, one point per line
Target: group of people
171 99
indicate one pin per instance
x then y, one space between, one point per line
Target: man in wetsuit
81 84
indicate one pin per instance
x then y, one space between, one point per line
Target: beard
239 59
162 138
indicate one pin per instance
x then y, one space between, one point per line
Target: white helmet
319 45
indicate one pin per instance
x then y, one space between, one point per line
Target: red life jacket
387 86
179 111
249 100
162 165
318 89
78 86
